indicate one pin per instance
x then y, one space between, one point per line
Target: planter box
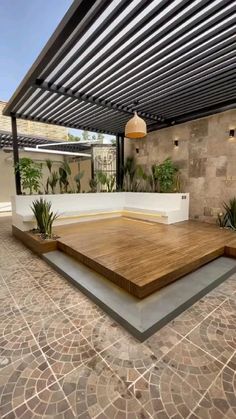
156 207
34 242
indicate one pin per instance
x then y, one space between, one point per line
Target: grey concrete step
144 317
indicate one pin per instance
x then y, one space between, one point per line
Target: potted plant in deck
45 218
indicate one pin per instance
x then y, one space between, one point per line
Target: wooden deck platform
142 257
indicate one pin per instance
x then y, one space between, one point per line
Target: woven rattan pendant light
136 127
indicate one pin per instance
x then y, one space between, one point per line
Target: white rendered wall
173 207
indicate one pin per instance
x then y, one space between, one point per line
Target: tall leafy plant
165 173
53 180
142 178
44 216
30 173
64 174
106 180
77 179
129 170
153 179
93 183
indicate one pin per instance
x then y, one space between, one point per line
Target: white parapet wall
157 207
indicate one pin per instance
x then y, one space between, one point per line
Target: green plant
30 173
129 170
228 218
153 179
142 179
101 177
106 180
177 185
44 216
49 164
110 182
77 179
52 181
64 173
165 173
93 183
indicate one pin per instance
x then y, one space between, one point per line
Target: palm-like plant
77 179
142 179
52 181
101 177
64 173
93 183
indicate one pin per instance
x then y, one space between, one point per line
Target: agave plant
37 208
44 216
229 218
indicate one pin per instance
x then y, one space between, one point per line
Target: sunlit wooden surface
142 257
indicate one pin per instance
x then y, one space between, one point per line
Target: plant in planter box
52 181
165 173
106 180
30 173
228 218
142 179
64 173
93 183
129 170
78 178
44 217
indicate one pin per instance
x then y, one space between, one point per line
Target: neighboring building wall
82 166
7 178
53 132
206 158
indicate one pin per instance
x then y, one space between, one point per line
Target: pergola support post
15 154
119 160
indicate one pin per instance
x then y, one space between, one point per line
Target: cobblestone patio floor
61 357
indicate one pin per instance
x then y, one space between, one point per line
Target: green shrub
165 173
30 173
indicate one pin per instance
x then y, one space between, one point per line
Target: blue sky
26 26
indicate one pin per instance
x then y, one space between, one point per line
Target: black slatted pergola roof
172 61
25 140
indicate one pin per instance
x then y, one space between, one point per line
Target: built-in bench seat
163 208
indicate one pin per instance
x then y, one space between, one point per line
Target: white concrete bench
163 208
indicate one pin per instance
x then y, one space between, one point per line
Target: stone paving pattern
62 357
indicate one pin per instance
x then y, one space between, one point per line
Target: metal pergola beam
16 155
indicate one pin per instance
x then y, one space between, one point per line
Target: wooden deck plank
140 256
